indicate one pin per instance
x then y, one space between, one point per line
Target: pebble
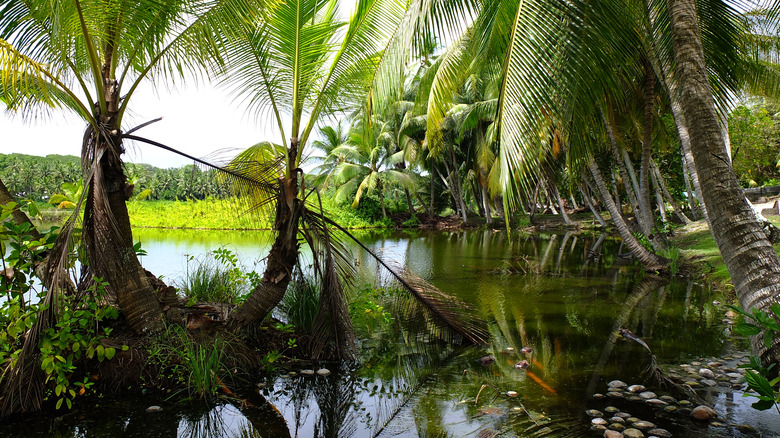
594 413
695 364
714 364
657 402
614 394
717 424
636 388
704 372
660 433
292 373
708 382
153 409
617 426
623 415
685 403
704 413
598 428
511 394
617 384
632 420
612 434
323 372
647 395
598 395
633 433
734 375
617 420
307 372
731 314
633 398
611 410
598 421
644 425
668 399
746 428
670 408
692 383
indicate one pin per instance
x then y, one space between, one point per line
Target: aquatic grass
217 276
301 303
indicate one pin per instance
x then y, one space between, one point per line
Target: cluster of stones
616 424
638 393
711 374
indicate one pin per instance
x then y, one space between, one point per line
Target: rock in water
636 388
703 413
594 413
486 360
153 409
323 372
660 433
633 433
704 372
307 372
612 434
647 395
617 384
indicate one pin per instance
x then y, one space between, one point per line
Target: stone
668 399
598 421
734 375
714 364
323 372
685 403
692 383
512 394
717 424
292 373
647 395
746 428
617 384
636 388
704 372
632 420
153 409
623 415
703 413
708 382
670 408
594 413
614 394
611 410
644 425
612 434
660 433
695 364
633 433
617 420
731 314
617 426
598 428
657 402
634 398
598 395
307 372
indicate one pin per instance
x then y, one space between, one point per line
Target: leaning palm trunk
651 261
677 210
645 207
281 260
752 262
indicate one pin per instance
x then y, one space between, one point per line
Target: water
565 296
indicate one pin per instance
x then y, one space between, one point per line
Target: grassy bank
701 256
229 214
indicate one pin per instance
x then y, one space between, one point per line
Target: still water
563 295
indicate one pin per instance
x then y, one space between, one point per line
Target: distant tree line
38 178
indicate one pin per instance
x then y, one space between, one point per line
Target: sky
198 120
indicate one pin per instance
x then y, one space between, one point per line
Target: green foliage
758 377
181 360
77 335
672 253
301 303
412 222
755 139
218 277
367 309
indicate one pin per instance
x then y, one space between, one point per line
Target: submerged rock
703 413
644 425
153 409
647 395
704 372
708 382
660 433
612 434
323 372
657 402
617 384
598 421
617 420
614 394
611 410
511 394
617 426
307 372
636 388
633 433
594 413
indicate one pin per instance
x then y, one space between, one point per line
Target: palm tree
90 56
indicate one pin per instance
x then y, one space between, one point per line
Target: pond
565 296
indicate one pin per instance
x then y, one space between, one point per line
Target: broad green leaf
760 384
747 329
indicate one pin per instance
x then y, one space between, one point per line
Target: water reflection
563 295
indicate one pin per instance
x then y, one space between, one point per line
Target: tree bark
677 210
622 167
592 207
651 261
281 260
748 255
645 207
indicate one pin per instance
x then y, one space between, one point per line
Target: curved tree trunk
622 168
749 257
668 196
645 206
592 207
280 264
652 262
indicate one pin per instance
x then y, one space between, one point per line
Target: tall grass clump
301 303
217 277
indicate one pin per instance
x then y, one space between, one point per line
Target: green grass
699 250
228 214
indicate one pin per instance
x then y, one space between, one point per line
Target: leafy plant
412 222
758 377
218 277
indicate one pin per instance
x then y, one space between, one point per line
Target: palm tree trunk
651 261
622 167
592 207
281 260
645 207
559 201
409 201
749 257
486 206
677 210
659 199
689 189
